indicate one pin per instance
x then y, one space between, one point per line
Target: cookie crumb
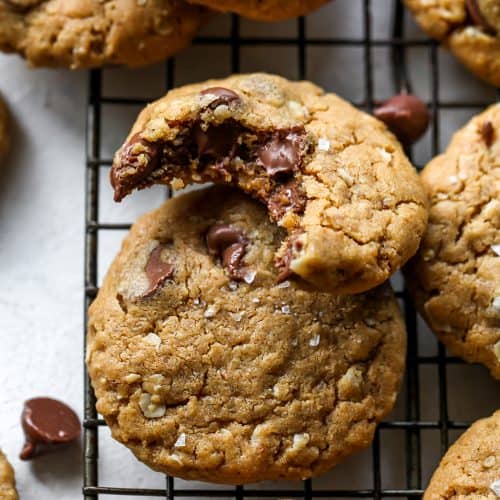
300 441
132 377
149 409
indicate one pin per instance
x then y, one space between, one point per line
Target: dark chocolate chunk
47 423
224 96
138 154
406 116
281 155
487 133
283 262
229 243
215 141
157 271
286 197
478 17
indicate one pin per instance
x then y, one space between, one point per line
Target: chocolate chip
281 155
478 17
142 157
283 262
47 423
224 96
215 141
487 132
287 197
406 116
157 271
229 243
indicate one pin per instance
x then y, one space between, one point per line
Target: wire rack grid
411 425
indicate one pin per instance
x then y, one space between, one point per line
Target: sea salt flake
314 342
495 487
238 316
181 441
210 312
256 300
495 305
284 284
285 309
153 339
323 144
233 286
249 277
496 248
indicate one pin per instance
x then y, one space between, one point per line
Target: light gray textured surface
41 236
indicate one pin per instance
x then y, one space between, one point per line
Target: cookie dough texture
4 129
7 481
355 211
230 382
471 467
476 46
455 277
92 33
265 10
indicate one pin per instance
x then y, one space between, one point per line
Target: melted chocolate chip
487 133
224 96
47 423
215 140
283 262
229 243
406 116
157 271
478 17
138 154
287 197
281 155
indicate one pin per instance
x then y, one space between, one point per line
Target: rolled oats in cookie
471 467
228 376
264 10
4 130
455 277
333 177
7 481
470 28
93 33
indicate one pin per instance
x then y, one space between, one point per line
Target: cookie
469 28
335 178
4 130
455 277
471 467
7 481
92 33
264 10
208 369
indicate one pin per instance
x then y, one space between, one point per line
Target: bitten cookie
92 33
264 10
470 28
471 467
335 178
7 481
455 277
208 369
4 130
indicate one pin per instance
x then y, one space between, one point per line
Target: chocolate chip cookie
335 178
264 10
471 467
7 481
92 33
4 129
470 28
208 369
455 277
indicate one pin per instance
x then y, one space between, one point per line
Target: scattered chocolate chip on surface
406 116
157 271
47 423
487 132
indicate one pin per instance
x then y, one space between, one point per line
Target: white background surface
42 220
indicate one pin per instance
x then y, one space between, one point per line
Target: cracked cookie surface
93 33
471 467
208 376
455 277
4 129
7 481
470 28
264 10
335 178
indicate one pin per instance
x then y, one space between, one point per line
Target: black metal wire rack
411 425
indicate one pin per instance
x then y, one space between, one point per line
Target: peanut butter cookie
471 467
208 369
335 178
455 277
470 28
92 33
264 10
7 481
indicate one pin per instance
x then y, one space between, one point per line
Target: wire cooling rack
410 424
